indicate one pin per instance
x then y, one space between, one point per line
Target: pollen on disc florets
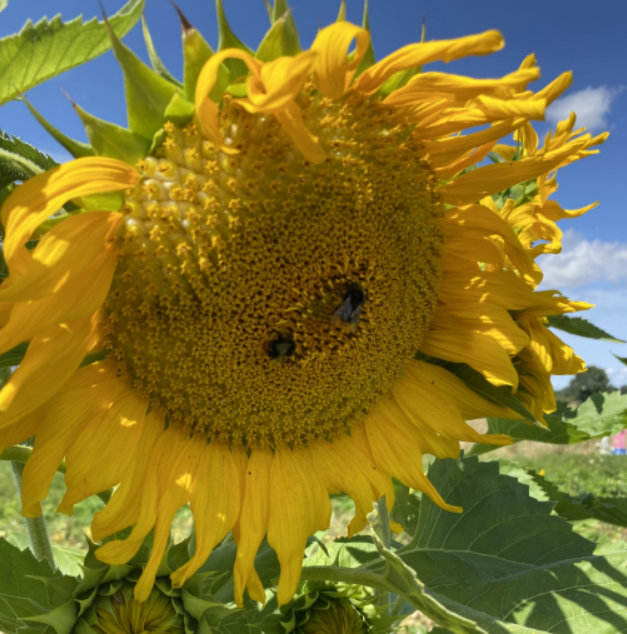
260 299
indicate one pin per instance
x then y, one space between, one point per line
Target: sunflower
274 311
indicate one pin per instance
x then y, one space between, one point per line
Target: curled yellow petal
41 196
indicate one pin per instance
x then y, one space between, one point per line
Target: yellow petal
299 506
343 466
102 453
123 508
253 521
60 422
402 460
475 349
177 470
333 68
216 502
292 122
79 298
67 249
414 55
50 360
41 196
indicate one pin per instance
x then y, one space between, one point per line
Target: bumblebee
352 303
280 346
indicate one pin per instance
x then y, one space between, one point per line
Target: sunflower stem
35 526
384 522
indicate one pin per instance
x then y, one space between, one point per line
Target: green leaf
623 360
50 47
3 4
20 161
406 507
14 356
581 327
598 416
30 588
508 557
147 94
612 510
74 147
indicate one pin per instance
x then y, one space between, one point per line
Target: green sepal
291 43
228 39
74 147
180 111
397 80
400 78
581 327
271 46
109 139
369 58
196 52
147 94
341 14
112 201
158 66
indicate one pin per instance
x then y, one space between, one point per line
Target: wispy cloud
591 105
584 262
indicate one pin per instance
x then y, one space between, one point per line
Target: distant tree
586 384
623 389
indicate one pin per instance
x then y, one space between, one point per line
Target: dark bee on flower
352 303
280 346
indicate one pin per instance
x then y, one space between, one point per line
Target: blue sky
587 38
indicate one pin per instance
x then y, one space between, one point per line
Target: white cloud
584 262
591 105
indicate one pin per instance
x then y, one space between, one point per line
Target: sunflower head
307 277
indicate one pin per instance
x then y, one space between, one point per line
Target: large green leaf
507 556
46 49
29 588
598 416
612 510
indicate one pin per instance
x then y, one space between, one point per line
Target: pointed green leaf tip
228 39
369 58
158 66
147 94
50 47
581 327
74 147
283 31
109 139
